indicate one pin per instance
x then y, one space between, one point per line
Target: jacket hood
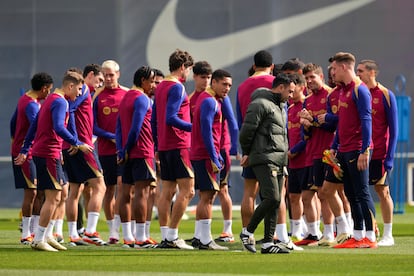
265 93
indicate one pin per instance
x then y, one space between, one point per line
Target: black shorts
248 173
50 174
111 170
81 166
175 164
318 172
225 172
309 184
297 179
377 173
24 175
330 176
138 169
204 177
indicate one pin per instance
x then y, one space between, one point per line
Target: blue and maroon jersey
171 123
331 116
51 127
320 135
193 100
384 122
246 89
25 114
133 130
297 143
80 111
355 122
207 125
105 111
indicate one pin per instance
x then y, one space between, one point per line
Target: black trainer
248 242
274 249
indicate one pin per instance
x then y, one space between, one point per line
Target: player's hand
85 148
321 118
304 113
291 155
363 161
20 159
244 162
121 157
73 150
217 166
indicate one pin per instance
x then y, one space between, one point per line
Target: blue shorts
248 173
24 175
225 172
175 164
81 166
50 174
297 179
377 174
205 179
111 170
138 169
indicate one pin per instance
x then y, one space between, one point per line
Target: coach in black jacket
264 146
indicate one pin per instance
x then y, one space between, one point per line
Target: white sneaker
289 245
42 246
178 244
212 246
343 237
386 241
52 242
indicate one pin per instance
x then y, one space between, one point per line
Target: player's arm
363 102
141 106
176 96
58 110
392 119
227 111
208 110
96 129
118 141
154 126
238 111
27 143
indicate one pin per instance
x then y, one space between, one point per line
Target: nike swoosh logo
223 51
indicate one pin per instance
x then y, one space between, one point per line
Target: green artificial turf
17 259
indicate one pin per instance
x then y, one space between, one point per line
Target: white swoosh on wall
225 50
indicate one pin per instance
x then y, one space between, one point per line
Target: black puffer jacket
263 134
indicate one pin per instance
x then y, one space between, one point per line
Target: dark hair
95 68
178 58
299 79
145 72
277 69
40 79
312 67
202 68
263 59
293 64
158 73
220 74
73 77
343 57
75 69
283 78
370 64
